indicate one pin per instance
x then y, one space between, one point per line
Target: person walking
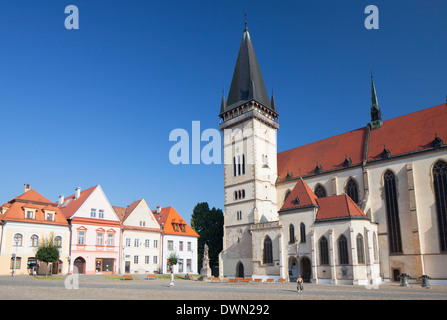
299 284
171 284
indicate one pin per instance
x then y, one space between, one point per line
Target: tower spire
376 115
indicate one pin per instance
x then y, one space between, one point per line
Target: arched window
34 240
343 250
291 233
303 232
324 251
440 188
352 190
360 250
18 240
238 165
234 167
392 213
243 193
235 195
239 194
58 241
268 250
320 191
243 164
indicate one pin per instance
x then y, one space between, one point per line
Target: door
293 269
98 265
240 270
79 265
306 271
127 267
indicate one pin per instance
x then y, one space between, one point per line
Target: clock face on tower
236 134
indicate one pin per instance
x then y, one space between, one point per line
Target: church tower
249 121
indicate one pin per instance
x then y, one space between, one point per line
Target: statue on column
205 272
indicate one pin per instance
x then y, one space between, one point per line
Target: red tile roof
402 135
303 194
70 205
409 133
338 207
168 217
330 153
32 200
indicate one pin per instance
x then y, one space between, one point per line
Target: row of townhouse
93 236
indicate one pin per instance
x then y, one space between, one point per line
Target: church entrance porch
305 269
293 269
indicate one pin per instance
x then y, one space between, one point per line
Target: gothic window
268 250
392 213
343 250
440 188
291 233
324 251
320 191
243 164
235 195
360 250
243 194
352 190
303 232
238 165
234 166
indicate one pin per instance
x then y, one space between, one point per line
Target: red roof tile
330 153
303 193
70 205
409 133
167 217
337 207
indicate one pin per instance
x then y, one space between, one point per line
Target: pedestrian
171 284
299 284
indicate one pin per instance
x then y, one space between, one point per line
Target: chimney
77 193
61 200
158 209
27 187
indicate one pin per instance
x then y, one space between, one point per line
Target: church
358 208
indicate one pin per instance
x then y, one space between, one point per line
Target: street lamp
16 241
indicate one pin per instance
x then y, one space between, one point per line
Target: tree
208 223
47 252
173 259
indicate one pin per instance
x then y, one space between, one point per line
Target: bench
269 280
257 280
127 277
151 277
281 280
215 279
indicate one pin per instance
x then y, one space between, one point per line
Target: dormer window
296 201
175 226
437 143
29 214
347 162
318 168
385 153
49 216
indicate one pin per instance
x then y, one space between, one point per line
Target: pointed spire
273 103
247 83
376 115
223 104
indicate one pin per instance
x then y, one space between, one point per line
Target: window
238 165
93 213
155 243
170 245
188 265
243 164
147 243
135 259
34 240
136 243
147 259
15 263
440 189
180 246
155 259
303 232
360 250
110 240
49 216
268 250
352 190
29 214
189 246
142 223
58 242
234 167
18 239
100 239
239 215
101 214
291 233
343 250
392 212
324 251
180 265
128 242
81 237
320 191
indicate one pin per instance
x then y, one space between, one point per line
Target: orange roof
402 135
329 153
409 133
168 217
70 205
338 207
33 200
301 196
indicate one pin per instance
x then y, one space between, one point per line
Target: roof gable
168 218
301 196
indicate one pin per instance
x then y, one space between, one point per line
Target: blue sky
96 105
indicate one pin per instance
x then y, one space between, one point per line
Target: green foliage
173 259
47 251
208 223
